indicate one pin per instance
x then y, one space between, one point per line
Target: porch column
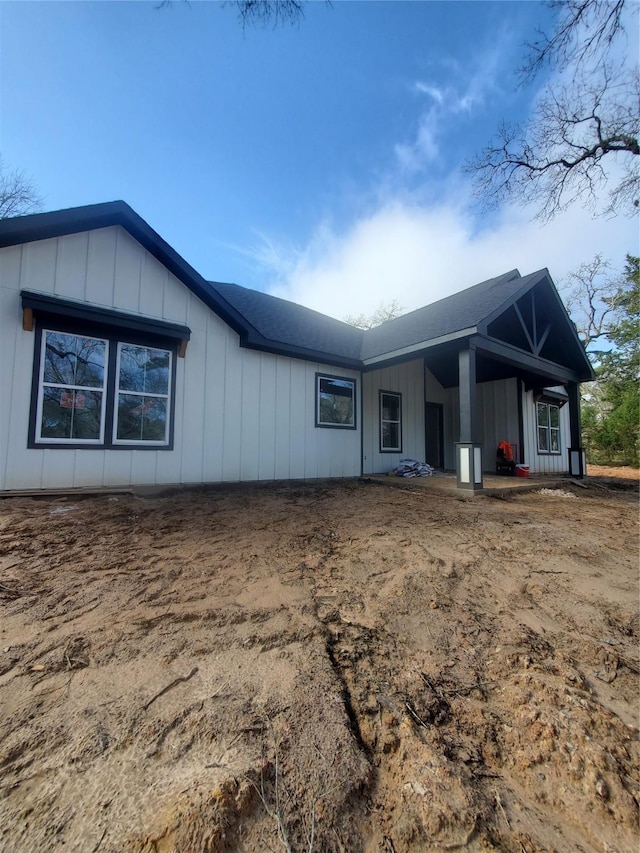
468 451
577 463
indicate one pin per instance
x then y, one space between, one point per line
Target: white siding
544 463
239 414
408 380
498 416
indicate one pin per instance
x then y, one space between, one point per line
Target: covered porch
507 367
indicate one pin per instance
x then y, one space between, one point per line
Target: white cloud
429 89
418 254
461 94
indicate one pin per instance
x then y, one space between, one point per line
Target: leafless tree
559 156
590 290
18 193
383 312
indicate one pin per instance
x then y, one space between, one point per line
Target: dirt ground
321 667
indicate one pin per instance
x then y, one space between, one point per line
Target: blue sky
320 162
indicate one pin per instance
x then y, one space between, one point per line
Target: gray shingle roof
452 314
290 324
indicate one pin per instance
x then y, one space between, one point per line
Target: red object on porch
505 450
505 458
522 470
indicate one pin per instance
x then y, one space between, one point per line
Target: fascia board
421 345
256 341
46 304
512 355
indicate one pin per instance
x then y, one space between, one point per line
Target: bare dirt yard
320 667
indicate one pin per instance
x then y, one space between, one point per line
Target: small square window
335 402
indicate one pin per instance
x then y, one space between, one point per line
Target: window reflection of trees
73 366
72 360
142 416
144 369
74 385
335 401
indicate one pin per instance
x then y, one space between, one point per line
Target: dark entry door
434 430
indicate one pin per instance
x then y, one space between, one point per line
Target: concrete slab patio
493 484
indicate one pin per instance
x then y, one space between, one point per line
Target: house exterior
120 365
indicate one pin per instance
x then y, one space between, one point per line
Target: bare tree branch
260 13
585 30
579 127
18 193
557 158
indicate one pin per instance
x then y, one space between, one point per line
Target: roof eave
418 347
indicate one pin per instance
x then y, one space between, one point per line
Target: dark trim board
80 312
554 373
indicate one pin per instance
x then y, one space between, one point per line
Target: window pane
335 405
555 440
70 414
543 414
74 360
390 407
144 369
554 416
141 418
390 435
543 439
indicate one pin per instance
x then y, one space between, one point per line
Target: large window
100 392
335 402
390 422
548 418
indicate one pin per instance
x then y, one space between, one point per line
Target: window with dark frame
99 391
548 427
335 401
390 422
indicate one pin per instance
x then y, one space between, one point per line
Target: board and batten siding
239 414
544 463
406 379
498 417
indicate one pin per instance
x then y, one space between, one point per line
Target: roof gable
535 320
